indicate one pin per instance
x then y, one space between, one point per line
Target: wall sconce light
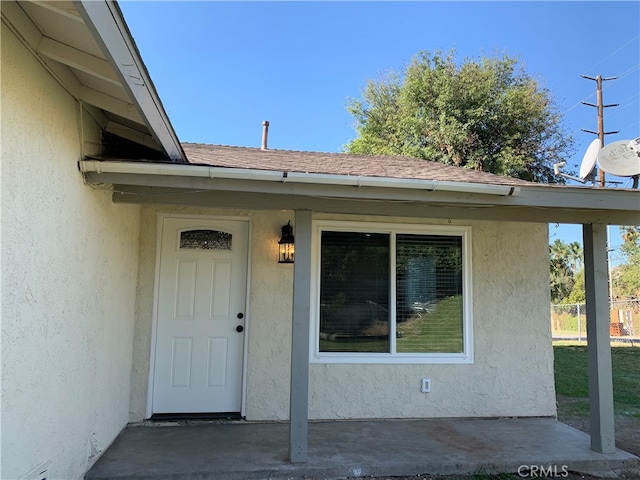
286 247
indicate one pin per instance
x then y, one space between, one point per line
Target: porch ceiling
87 48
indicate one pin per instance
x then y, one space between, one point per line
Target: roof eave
622 204
106 22
582 198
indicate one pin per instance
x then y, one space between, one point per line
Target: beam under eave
107 24
97 114
132 134
438 207
15 18
598 339
53 7
77 59
110 104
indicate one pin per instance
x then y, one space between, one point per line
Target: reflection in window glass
354 292
429 294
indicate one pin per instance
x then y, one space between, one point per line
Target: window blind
354 292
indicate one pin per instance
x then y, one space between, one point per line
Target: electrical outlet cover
426 385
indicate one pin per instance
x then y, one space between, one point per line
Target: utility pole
600 106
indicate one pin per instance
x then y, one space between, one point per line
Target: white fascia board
105 21
138 168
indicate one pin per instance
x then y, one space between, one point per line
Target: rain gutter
227 173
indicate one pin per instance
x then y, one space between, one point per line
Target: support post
598 339
579 324
299 399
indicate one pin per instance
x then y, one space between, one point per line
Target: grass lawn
571 380
437 331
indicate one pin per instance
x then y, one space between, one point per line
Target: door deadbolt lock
240 315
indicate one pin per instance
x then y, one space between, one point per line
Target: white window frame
464 232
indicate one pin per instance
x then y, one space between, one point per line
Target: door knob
239 328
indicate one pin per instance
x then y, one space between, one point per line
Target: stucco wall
69 266
513 370
269 308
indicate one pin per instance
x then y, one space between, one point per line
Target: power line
622 75
628 71
625 73
614 52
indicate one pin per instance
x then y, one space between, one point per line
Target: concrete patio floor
245 450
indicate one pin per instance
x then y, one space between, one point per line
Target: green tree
631 246
627 275
577 294
485 114
561 276
575 257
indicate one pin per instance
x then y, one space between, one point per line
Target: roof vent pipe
265 135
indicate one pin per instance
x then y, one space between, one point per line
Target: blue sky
221 68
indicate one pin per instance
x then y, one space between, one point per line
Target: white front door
201 316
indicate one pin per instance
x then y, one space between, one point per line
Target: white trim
466 357
247 323
161 217
154 314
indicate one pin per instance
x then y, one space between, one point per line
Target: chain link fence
569 321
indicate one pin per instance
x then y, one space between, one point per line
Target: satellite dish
589 159
619 159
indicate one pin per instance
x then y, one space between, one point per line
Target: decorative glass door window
205 240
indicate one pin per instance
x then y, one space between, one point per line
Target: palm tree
574 256
559 253
561 278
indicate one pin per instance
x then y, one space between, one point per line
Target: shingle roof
338 164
